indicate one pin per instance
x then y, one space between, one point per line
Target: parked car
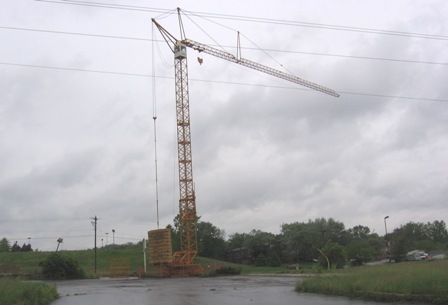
416 255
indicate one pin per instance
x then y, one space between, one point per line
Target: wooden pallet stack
160 249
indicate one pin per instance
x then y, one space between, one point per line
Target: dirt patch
8 270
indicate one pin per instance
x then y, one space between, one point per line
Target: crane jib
256 66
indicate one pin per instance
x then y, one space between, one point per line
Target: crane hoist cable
154 116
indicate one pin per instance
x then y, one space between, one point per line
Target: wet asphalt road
235 290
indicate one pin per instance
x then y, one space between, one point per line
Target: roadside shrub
335 254
274 260
317 268
224 270
58 267
228 270
261 260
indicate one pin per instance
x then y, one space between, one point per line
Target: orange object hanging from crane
184 259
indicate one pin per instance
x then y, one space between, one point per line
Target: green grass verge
15 292
424 281
252 269
26 264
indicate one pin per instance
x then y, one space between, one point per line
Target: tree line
326 241
5 246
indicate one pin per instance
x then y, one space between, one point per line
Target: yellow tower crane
184 259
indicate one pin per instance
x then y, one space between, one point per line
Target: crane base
169 270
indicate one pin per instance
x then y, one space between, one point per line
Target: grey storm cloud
77 102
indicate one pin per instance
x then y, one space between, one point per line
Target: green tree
413 236
359 251
377 242
360 236
298 240
259 242
328 229
274 259
359 232
175 238
16 247
175 232
437 231
403 239
26 248
427 245
236 240
211 240
261 260
400 246
335 254
5 246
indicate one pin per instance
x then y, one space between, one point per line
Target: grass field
15 292
26 264
423 281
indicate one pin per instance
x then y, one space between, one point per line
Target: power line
219 82
77 70
49 237
112 6
244 48
67 237
359 57
256 20
74 33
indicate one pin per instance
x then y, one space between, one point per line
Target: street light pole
385 237
385 227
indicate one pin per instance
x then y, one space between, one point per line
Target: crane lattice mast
187 199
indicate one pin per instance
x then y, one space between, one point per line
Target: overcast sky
77 103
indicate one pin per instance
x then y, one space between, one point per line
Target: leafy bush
224 270
228 270
359 252
335 254
261 260
274 260
58 267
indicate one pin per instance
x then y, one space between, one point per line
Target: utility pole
144 254
94 223
386 238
